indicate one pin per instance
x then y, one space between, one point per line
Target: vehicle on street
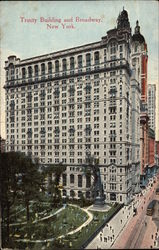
150 208
157 190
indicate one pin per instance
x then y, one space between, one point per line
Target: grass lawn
76 240
62 223
37 211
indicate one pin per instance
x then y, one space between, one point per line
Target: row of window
36 68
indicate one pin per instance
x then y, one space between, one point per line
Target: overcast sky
32 39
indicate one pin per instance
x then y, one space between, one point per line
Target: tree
54 173
31 182
92 169
9 170
20 179
72 193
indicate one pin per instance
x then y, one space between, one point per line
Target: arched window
88 59
64 192
11 68
72 64
88 195
12 71
113 48
49 67
80 194
57 66
72 179
64 178
43 69
80 61
64 65
96 57
88 181
36 70
23 73
72 193
79 180
29 71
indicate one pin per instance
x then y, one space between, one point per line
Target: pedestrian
152 236
121 221
145 223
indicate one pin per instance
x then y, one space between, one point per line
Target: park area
34 213
67 226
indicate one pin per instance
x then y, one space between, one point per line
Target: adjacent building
67 105
139 59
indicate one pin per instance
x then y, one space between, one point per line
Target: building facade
151 147
152 106
63 106
140 60
157 112
157 153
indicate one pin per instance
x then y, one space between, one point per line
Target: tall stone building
152 106
140 60
65 106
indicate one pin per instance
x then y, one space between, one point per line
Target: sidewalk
110 232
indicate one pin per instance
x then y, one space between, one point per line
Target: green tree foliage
54 173
9 170
20 181
31 182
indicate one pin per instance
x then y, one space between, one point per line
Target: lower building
157 153
151 153
144 150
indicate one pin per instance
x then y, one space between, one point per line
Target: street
141 230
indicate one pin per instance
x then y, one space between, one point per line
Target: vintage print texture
79 124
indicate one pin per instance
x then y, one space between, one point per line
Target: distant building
2 145
157 153
152 106
151 155
157 111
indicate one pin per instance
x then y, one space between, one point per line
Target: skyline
54 39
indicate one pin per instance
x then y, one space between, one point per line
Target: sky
27 39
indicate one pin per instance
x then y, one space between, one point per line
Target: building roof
137 35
